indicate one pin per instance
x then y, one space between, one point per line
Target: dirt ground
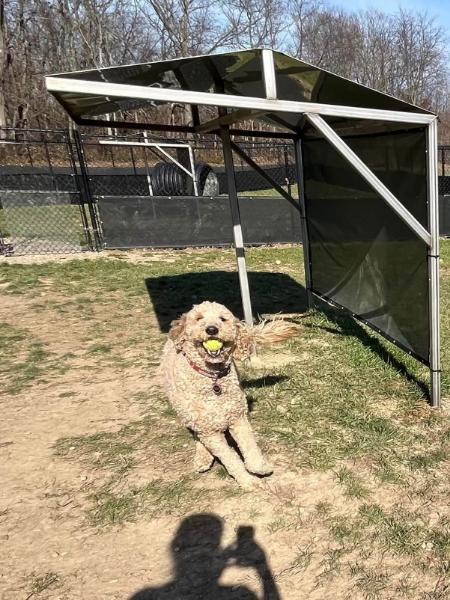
214 541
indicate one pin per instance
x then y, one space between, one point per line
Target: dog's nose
212 330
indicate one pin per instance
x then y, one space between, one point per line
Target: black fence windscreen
363 256
158 222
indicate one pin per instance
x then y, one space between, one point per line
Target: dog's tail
272 332
254 337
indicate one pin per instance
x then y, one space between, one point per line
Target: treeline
403 53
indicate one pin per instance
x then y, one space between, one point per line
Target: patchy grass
116 452
353 484
41 583
24 360
153 499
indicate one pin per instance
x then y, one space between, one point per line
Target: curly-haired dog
202 384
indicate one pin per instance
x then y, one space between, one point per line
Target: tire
207 181
169 180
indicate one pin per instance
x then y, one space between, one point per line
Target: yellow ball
213 345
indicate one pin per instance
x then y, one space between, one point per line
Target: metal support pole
237 228
192 163
303 221
147 170
433 265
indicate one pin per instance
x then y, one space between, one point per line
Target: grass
345 402
40 583
151 500
117 451
24 360
353 484
53 223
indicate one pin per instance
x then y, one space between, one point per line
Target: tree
256 23
402 53
3 64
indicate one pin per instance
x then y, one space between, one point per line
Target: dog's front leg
218 446
203 459
255 462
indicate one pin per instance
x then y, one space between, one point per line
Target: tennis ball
213 345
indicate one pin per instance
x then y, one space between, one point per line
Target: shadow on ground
199 561
173 295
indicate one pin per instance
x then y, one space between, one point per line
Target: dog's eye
223 319
199 317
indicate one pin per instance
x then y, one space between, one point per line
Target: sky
437 8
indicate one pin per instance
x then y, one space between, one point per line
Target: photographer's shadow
199 561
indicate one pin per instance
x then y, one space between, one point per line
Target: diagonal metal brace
263 174
369 176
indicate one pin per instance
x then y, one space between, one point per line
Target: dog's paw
248 483
203 459
201 466
260 467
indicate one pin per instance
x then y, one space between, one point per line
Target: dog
202 384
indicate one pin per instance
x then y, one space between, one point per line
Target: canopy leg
433 266
237 228
303 222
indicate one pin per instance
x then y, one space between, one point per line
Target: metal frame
138 92
314 113
237 227
182 128
304 222
433 264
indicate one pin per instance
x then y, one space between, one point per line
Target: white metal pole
192 163
237 228
433 265
147 170
60 85
270 78
303 220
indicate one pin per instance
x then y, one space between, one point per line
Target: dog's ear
177 332
244 347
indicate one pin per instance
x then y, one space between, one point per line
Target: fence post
85 190
67 136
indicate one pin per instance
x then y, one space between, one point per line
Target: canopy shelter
366 164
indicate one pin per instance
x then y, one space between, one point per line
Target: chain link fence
129 166
42 207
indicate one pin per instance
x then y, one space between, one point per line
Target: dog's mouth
214 348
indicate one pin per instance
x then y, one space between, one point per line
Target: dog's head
209 331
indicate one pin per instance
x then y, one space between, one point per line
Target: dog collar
216 388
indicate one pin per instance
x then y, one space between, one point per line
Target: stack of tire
169 180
